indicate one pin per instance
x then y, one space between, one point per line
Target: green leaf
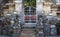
30 3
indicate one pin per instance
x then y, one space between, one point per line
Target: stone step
4 36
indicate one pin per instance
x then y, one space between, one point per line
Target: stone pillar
57 2
19 10
18 6
39 6
39 10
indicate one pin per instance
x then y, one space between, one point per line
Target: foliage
58 24
29 3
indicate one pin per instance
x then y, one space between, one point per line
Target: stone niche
11 9
5 12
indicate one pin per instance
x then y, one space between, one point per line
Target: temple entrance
30 13
30 16
28 29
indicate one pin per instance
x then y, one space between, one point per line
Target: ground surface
40 36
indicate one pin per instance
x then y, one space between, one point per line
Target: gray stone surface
49 36
52 36
4 36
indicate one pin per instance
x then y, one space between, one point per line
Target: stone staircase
4 36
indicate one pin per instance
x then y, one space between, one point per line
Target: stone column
39 6
57 2
39 10
19 10
18 6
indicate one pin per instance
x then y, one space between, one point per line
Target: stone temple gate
19 7
33 26
31 21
